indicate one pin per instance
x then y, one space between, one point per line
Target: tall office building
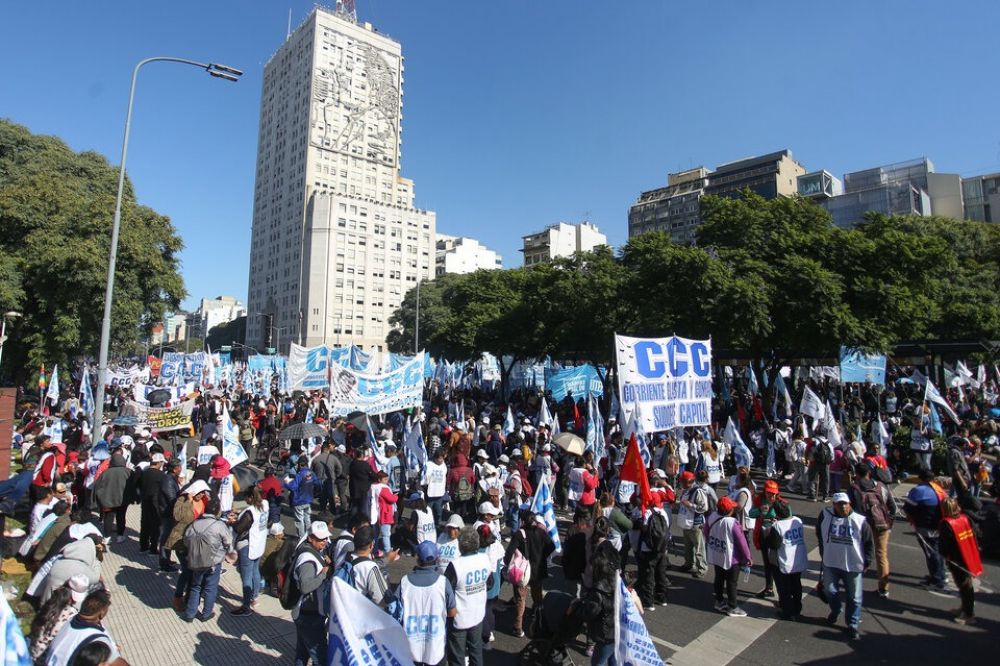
981 196
337 239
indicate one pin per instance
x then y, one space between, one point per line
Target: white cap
488 469
126 440
341 448
158 458
546 448
276 529
486 420
504 458
526 421
319 530
144 433
79 586
196 487
841 497
482 454
455 521
488 509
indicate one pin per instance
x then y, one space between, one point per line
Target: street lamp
3 328
214 69
271 327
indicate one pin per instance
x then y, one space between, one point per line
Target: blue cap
427 552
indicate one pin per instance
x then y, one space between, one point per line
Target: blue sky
518 114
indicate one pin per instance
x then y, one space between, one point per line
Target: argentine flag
542 506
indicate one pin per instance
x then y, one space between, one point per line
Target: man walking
428 601
923 509
846 548
693 505
470 577
149 492
209 541
875 501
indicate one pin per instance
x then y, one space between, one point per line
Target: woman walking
251 538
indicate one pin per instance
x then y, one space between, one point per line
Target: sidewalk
149 633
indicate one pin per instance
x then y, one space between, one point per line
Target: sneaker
253 604
168 568
492 637
831 619
854 633
242 611
698 574
962 618
736 612
187 619
766 593
721 607
663 603
518 634
884 594
206 618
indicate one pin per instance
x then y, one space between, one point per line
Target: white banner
811 405
309 367
633 646
163 419
363 633
127 377
670 377
352 391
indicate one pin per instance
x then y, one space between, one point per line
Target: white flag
544 416
931 395
52 394
811 405
542 506
508 423
232 450
830 428
880 435
363 633
633 644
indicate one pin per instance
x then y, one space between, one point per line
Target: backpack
519 568
289 592
874 508
345 571
463 490
821 453
657 532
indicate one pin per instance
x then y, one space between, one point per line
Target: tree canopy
56 209
774 279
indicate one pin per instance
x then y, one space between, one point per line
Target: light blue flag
591 437
508 422
52 394
600 445
633 644
935 420
781 391
377 450
541 505
87 394
413 444
752 381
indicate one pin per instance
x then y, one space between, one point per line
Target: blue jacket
301 487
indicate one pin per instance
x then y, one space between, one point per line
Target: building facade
981 198
904 188
676 208
219 310
561 240
459 254
337 239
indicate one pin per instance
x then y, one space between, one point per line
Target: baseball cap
417 495
319 530
455 521
427 552
841 497
341 448
660 474
486 420
725 505
158 458
504 458
687 476
79 586
771 486
276 529
482 454
488 509
197 487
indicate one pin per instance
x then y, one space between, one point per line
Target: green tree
56 209
227 333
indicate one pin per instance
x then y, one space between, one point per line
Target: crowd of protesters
464 512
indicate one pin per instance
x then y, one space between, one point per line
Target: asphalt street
911 624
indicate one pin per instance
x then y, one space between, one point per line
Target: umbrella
570 443
358 419
245 475
125 420
302 431
158 397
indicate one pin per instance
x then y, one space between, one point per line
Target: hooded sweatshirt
109 489
78 558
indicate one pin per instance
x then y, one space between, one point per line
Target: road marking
666 644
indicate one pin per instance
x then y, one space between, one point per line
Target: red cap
771 486
725 505
687 476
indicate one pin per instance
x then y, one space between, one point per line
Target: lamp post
3 328
214 69
416 333
270 327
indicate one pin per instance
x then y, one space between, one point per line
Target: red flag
741 415
635 471
758 410
577 419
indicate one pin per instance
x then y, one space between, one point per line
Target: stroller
551 628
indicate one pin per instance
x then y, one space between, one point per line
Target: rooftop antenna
288 34
347 9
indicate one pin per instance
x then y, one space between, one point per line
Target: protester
110 494
428 601
961 553
251 538
693 505
763 513
85 631
188 507
310 571
786 547
302 487
728 551
470 576
846 548
208 541
534 544
62 606
923 509
873 499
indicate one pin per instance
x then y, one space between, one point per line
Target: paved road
910 625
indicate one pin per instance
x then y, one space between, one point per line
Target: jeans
165 527
310 639
183 578
514 515
928 540
489 620
464 643
204 582
273 511
303 518
385 531
249 574
832 578
604 653
436 505
821 472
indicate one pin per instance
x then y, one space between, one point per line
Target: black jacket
598 611
149 484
